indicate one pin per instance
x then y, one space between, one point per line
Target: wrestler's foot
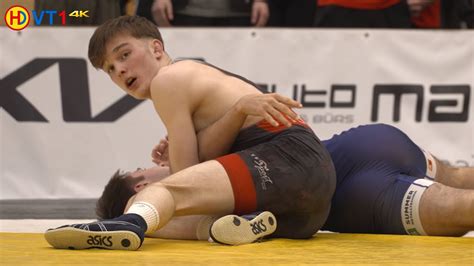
238 230
107 234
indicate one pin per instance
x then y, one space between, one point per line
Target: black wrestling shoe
238 230
108 234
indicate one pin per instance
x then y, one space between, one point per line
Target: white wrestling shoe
238 230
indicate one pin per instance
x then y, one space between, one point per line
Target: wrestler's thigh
291 175
203 188
369 203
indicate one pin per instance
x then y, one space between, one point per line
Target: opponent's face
151 175
132 63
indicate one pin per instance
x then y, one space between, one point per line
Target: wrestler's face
132 63
151 175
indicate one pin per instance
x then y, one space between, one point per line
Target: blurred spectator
295 13
363 14
441 13
205 12
128 7
457 14
425 14
394 13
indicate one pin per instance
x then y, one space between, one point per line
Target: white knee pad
410 207
430 165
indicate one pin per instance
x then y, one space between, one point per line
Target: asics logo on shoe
258 227
100 241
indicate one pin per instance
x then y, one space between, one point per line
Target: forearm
217 139
183 153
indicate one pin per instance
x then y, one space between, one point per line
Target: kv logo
100 241
434 115
75 95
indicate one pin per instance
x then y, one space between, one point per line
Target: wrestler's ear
140 185
157 48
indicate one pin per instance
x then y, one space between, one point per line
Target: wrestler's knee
443 210
301 225
443 171
458 177
314 223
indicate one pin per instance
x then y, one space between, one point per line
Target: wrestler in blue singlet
375 166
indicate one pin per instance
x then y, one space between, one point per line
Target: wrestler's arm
190 227
174 104
217 139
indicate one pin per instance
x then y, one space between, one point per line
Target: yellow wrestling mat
32 249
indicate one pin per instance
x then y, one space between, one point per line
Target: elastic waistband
410 211
265 125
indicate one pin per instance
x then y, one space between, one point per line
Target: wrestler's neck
164 60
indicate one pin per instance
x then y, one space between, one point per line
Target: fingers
155 153
169 12
163 19
283 109
274 108
161 163
159 158
259 14
163 145
270 120
254 16
287 101
279 112
286 111
162 12
277 109
260 19
159 152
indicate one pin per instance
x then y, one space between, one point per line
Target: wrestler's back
213 92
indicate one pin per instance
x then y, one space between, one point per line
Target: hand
260 13
162 12
160 153
417 6
270 106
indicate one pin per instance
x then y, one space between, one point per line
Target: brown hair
135 26
116 195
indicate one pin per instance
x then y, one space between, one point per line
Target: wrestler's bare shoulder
183 82
173 77
177 71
